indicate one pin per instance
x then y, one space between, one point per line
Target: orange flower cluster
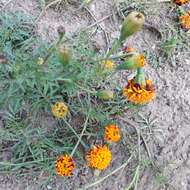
185 20
99 157
64 165
137 93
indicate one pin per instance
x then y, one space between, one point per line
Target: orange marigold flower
64 165
59 109
139 94
185 20
112 133
107 64
99 157
180 2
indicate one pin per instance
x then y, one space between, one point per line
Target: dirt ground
170 145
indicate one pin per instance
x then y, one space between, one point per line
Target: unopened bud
105 94
61 31
64 55
132 23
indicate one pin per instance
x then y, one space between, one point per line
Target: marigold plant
112 133
42 78
99 157
64 165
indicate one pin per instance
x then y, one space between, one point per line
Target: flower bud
132 23
134 62
61 31
64 55
105 94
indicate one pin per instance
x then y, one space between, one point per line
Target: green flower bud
134 62
132 23
64 55
105 94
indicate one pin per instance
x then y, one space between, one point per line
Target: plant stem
84 145
52 48
116 45
115 57
136 176
81 135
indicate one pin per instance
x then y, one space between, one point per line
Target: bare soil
170 145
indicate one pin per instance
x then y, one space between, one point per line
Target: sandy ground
170 145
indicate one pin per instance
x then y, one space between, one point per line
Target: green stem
80 137
135 178
115 57
115 46
140 77
87 90
52 48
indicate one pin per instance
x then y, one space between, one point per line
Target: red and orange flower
64 165
139 94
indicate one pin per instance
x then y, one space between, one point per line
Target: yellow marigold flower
112 133
108 64
137 93
59 109
64 165
185 20
99 157
140 59
180 2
